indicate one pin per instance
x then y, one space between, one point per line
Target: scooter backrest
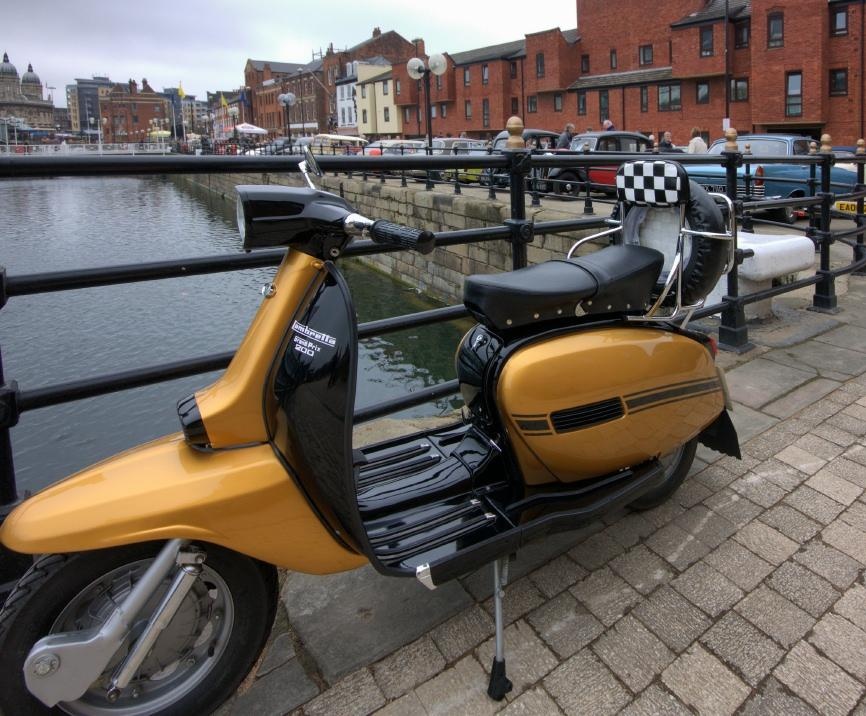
652 183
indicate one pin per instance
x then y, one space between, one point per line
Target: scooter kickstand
499 683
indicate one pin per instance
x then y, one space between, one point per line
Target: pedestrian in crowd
697 145
589 129
564 141
652 142
667 143
607 126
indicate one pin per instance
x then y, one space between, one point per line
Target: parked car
771 181
457 146
535 139
570 180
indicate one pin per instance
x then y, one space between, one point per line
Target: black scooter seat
615 279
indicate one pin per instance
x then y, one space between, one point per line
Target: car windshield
757 145
578 142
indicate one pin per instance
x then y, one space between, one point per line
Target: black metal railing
525 172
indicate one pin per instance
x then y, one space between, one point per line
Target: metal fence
524 173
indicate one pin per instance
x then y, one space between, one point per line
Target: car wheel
569 183
786 215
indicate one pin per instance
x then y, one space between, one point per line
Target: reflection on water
59 224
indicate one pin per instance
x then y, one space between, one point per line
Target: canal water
46 339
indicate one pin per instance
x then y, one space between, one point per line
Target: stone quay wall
438 274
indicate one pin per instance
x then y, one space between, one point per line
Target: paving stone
633 653
583 685
804 588
801 459
279 652
715 477
826 358
775 615
527 657
356 695
791 523
748 423
847 336
856 453
461 689
819 447
818 681
663 514
278 692
841 642
852 606
758 489
738 564
642 569
847 539
463 632
780 474
849 423
800 398
705 525
630 530
557 576
733 507
849 470
607 596
535 702
767 543
743 647
775 700
408 667
737 466
700 680
672 618
819 412
834 435
814 504
596 551
656 701
565 625
837 568
835 487
704 587
771 442
691 493
677 546
762 381
408 705
520 597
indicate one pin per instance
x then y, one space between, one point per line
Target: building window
839 21
669 98
707 41
386 114
443 110
363 91
407 114
645 55
742 32
343 116
432 111
838 82
702 93
467 108
532 103
515 105
793 94
557 102
739 90
485 75
385 87
644 99
438 82
539 64
775 29
465 76
396 86
584 63
603 106
513 70
581 102
364 115
485 112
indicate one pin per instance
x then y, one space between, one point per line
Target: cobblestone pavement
744 593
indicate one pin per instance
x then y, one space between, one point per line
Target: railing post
536 201
748 225
825 300
859 247
733 332
518 168
587 203
813 190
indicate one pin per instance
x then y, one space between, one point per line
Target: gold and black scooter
156 584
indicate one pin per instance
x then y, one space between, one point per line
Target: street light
287 99
437 64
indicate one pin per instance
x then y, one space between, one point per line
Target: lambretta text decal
309 341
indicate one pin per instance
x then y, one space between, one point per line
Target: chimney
376 32
133 87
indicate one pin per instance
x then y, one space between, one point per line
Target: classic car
571 180
770 180
535 139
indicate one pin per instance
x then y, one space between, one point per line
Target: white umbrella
247 128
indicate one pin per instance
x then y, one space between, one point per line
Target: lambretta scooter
157 584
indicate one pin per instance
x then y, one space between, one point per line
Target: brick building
129 113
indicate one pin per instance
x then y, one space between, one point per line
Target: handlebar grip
414 239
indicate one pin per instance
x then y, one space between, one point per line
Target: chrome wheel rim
183 655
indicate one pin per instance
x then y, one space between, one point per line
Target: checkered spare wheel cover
656 183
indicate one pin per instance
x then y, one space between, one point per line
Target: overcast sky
205 45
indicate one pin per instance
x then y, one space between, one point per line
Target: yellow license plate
850 206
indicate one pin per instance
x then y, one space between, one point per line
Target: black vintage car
541 140
568 180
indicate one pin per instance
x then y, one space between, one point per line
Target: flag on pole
180 92
223 102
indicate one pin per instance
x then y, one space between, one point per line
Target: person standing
564 141
607 126
697 145
667 143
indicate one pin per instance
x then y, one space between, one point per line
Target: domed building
21 98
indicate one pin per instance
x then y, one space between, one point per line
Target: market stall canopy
247 128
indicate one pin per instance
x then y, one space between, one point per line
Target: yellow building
378 116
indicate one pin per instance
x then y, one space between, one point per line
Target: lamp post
287 99
436 64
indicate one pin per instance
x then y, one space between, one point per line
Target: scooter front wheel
677 465
197 662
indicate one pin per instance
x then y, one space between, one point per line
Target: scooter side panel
595 401
240 499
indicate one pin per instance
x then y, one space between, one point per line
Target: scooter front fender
242 499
